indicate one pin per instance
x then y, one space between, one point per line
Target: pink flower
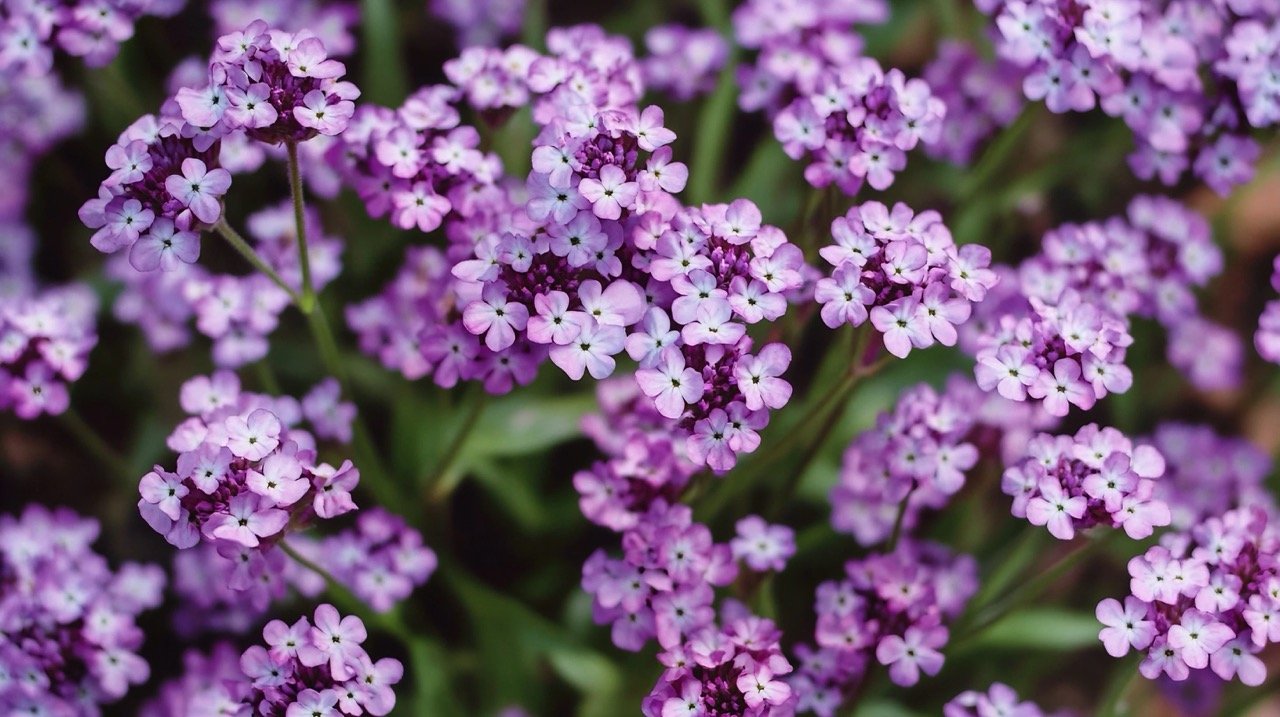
611 193
1054 509
247 519
758 687
336 640
164 248
912 653
496 318
1064 386
758 377
1124 626
903 324
591 352
254 436
199 189
419 206
317 113
1197 636
670 384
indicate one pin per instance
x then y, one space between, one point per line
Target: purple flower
670 383
762 546
69 638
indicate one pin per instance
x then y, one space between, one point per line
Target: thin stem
900 520
367 456
436 481
1028 590
308 299
385 80
1112 703
347 600
267 378
715 121
95 445
996 154
801 433
238 243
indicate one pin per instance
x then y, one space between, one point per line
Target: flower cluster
1000 700
918 454
246 475
415 327
201 683
480 22
238 312
165 185
645 458
1147 263
858 125
68 640
891 607
36 112
45 340
904 272
307 668
1207 474
662 586
587 70
1096 477
677 294
1211 356
333 22
493 81
729 670
417 163
1072 301
1062 352
274 86
799 42
30 32
763 547
981 96
207 604
683 62
1188 81
381 559
1207 597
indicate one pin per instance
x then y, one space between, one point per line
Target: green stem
346 600
715 121
384 80
802 433
900 520
997 153
238 243
986 616
437 481
533 31
372 470
267 378
308 298
95 445
1113 702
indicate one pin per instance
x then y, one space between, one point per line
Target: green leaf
883 708
514 642
1042 629
512 486
432 687
521 424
